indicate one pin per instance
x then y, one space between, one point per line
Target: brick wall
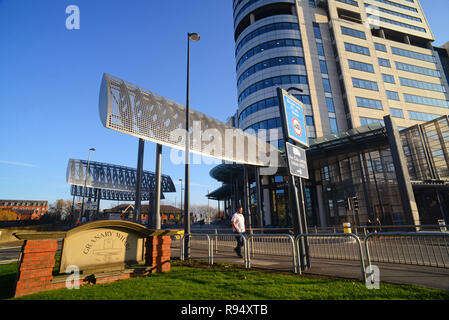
36 266
158 253
38 260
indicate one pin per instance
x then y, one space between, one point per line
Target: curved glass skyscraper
355 61
280 44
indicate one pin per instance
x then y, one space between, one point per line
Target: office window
397 113
303 98
320 49
316 30
274 62
388 78
426 101
412 54
266 29
353 33
270 82
392 95
421 116
369 103
365 84
267 46
366 121
351 2
401 24
416 69
327 85
330 105
323 66
333 125
309 121
384 63
422 85
357 49
397 5
361 66
380 47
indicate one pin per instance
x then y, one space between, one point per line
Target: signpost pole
157 198
304 222
294 129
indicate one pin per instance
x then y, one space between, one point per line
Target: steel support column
402 175
258 196
369 208
138 202
98 201
246 206
156 221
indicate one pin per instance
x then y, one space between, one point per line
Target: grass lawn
199 281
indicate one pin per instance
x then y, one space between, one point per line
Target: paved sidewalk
429 277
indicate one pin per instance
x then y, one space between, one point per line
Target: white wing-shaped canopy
130 109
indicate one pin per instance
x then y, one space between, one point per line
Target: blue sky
50 79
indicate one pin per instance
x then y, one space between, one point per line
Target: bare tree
203 213
61 208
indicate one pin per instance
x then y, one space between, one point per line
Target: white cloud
20 164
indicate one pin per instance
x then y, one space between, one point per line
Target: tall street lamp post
85 183
193 37
180 180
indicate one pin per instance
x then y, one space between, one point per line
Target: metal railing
340 246
272 245
419 248
226 242
359 230
198 244
177 244
362 231
429 249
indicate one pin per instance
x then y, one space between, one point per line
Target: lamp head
194 36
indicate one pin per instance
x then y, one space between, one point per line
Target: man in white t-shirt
238 226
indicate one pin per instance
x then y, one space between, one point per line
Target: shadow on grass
7 282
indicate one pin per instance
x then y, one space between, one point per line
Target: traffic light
355 203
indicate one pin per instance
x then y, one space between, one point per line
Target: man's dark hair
239 207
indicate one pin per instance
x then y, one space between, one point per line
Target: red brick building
169 214
26 209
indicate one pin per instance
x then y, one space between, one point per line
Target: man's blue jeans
239 238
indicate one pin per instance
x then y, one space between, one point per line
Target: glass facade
370 177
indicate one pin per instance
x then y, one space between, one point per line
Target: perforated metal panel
127 108
112 177
106 194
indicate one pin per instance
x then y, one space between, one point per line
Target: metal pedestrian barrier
224 244
420 249
272 245
177 244
333 246
198 244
